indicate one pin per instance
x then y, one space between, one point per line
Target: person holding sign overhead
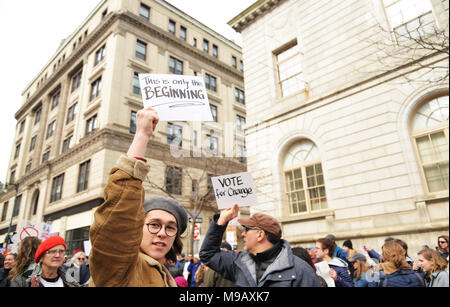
268 261
132 237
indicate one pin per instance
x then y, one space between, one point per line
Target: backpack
384 278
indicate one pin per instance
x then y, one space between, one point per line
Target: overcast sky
32 30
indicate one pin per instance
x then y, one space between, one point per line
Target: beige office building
78 116
347 117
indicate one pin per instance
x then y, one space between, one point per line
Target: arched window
303 178
430 134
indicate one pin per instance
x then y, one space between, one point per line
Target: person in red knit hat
48 273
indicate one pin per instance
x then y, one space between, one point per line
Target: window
215 51
57 185
406 17
55 100
45 156
75 239
241 66
290 76
67 144
37 116
233 61
242 153
210 82
22 126
91 124
206 46
17 202
240 123
212 145
4 211
76 80
51 129
175 66
100 54
183 33
304 183
174 134
12 176
83 176
35 202
144 12
213 112
17 152
33 143
136 84
430 133
172 25
28 168
239 96
104 13
95 88
194 43
72 112
141 50
133 122
173 180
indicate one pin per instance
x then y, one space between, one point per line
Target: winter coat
4 280
438 279
24 279
192 268
240 267
362 282
401 278
214 279
344 278
116 234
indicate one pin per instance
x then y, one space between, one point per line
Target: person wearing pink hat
48 273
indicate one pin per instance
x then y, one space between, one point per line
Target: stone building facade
347 125
78 116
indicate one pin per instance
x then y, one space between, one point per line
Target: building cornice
252 13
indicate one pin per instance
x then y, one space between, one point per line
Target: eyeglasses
53 252
154 228
442 242
247 228
82 259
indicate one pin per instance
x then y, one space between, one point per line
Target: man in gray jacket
268 261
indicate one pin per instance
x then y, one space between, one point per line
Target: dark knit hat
169 205
348 243
48 244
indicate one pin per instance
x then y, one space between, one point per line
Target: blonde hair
439 264
360 268
394 253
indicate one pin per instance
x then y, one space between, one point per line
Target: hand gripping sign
176 97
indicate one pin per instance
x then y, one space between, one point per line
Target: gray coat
286 270
24 279
438 279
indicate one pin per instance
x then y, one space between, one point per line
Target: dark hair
302 253
272 238
327 244
176 249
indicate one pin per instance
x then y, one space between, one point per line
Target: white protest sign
176 97
323 269
234 189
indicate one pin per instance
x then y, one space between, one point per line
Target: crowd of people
137 242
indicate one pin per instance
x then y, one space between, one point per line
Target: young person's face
442 243
425 264
320 253
157 244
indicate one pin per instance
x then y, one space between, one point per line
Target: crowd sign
234 189
176 97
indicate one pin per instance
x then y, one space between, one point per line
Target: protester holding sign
268 260
131 238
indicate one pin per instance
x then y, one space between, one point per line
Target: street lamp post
16 186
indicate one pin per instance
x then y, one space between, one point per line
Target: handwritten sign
176 97
234 189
